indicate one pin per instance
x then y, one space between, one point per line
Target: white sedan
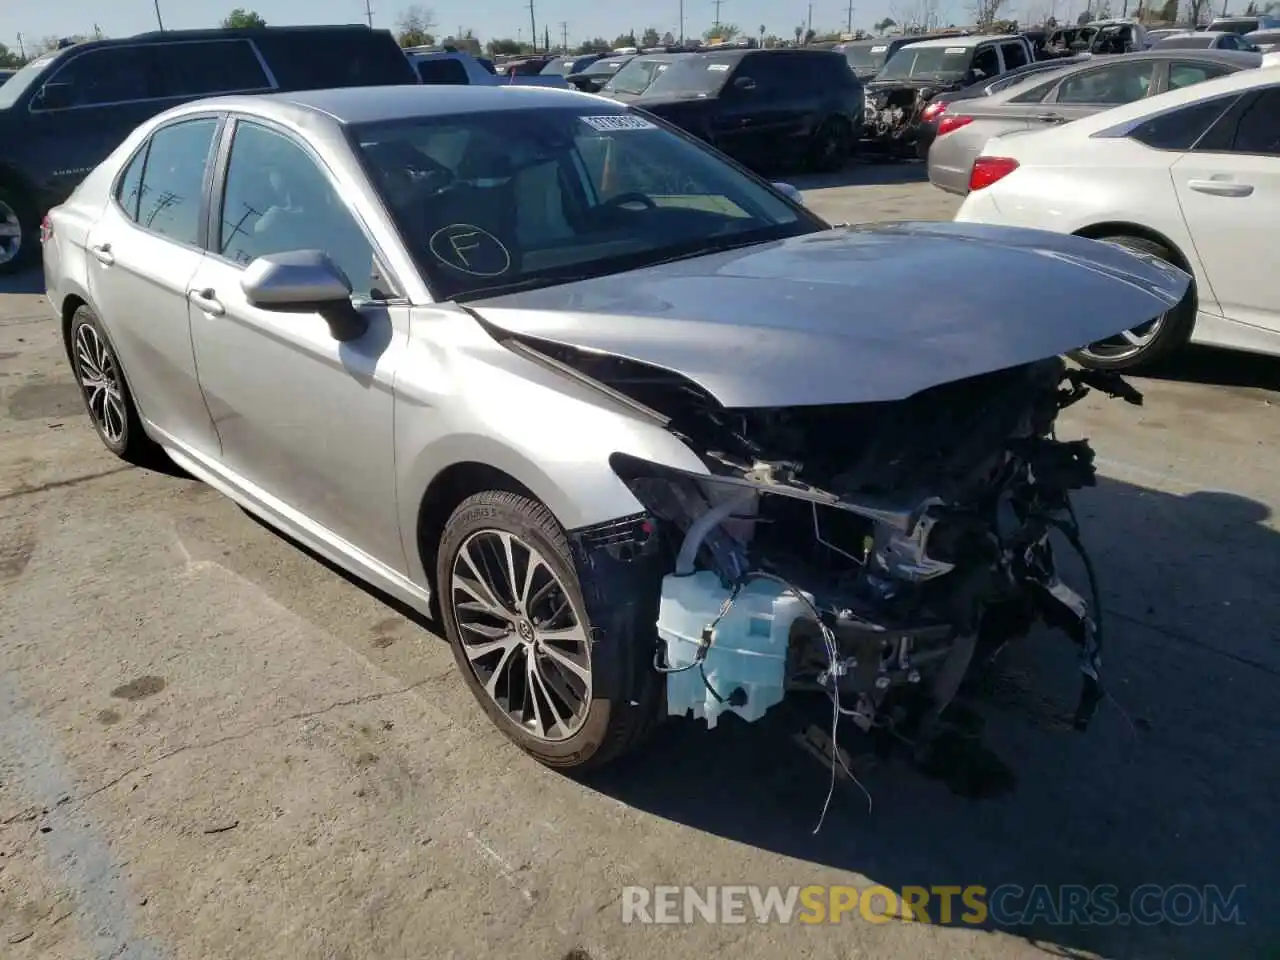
1191 177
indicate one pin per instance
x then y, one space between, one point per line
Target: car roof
964 41
355 105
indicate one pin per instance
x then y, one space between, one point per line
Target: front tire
106 393
1152 342
514 615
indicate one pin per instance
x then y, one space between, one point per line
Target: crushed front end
877 552
891 115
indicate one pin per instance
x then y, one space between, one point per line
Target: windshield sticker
880 49
471 250
618 121
951 50
717 67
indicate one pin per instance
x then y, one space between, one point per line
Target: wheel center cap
525 629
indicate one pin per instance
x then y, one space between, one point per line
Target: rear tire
106 393
831 146
514 616
1152 342
17 250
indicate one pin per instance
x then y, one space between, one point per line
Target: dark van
64 112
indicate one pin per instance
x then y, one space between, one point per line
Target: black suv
763 107
64 112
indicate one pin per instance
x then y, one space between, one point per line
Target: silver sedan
556 370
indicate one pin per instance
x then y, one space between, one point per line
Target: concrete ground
213 745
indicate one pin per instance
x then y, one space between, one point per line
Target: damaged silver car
645 434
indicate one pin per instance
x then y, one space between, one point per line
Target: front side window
635 77
278 200
173 179
99 77
208 67
1188 74
1118 83
1258 131
986 63
443 70
1015 55
487 202
695 75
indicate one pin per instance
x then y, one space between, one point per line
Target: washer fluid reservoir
747 660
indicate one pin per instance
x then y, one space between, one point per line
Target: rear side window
1114 84
1015 55
346 58
209 67
1181 129
442 70
1187 74
173 179
1036 94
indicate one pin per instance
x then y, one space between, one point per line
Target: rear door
203 68
1229 190
759 120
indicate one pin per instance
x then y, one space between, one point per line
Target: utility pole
159 19
809 28
564 36
849 25
682 23
22 50
717 4
533 28
368 13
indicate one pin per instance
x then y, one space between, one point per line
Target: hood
852 314
668 104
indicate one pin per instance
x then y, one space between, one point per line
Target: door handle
1221 188
207 301
1051 118
102 253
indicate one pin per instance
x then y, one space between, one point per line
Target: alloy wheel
521 635
10 233
100 381
1126 344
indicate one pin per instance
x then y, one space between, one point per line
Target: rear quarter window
1182 129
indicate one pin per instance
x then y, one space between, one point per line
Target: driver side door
305 421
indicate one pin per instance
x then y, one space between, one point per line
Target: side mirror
54 96
790 192
745 84
304 281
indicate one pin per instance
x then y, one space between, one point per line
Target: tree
466 42
650 38
1251 10
242 19
413 28
668 39
724 31
1196 11
883 25
624 40
594 45
8 59
505 46
799 33
984 12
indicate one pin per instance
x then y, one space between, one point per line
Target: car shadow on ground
862 173
1175 782
1227 368
27 281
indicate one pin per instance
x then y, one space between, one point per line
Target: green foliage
242 19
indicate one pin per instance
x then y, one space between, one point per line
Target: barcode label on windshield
618 121
880 49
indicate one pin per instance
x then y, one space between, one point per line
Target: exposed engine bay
891 115
875 552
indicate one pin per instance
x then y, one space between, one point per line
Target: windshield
866 57
933 63
11 90
1113 39
497 201
1190 40
692 76
636 76
604 67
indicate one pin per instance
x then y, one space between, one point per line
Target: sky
488 18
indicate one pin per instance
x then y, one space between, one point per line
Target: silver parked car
1066 95
654 438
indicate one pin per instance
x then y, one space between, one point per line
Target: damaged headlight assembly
884 554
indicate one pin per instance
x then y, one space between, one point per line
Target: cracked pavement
213 744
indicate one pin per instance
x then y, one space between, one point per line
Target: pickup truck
460 68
